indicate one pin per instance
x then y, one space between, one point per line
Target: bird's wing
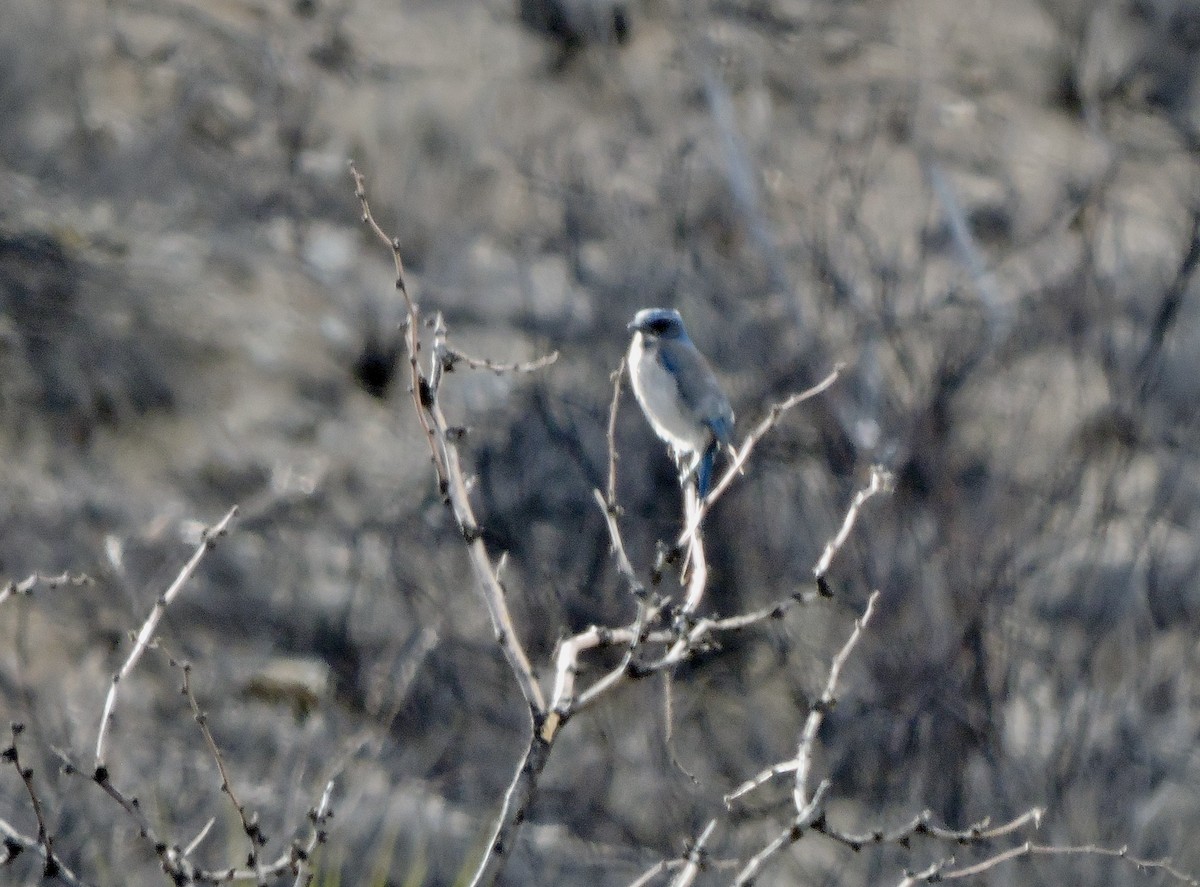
699 390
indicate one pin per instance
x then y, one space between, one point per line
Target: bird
678 392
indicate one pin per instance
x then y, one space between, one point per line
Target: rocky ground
987 211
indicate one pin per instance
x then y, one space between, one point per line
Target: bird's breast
658 395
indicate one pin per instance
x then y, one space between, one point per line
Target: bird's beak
632 325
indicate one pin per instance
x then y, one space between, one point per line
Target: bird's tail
704 471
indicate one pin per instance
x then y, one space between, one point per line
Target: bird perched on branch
679 394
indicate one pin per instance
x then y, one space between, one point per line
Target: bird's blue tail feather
704 470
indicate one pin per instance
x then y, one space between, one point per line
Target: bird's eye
659 327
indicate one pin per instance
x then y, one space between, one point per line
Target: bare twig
175 863
761 778
922 824
808 736
14 844
51 864
208 539
516 804
941 871
451 480
29 583
608 501
485 574
453 357
417 383
928 874
612 435
319 817
801 764
200 836
249 823
742 454
697 575
788 836
696 858
618 547
881 482
664 865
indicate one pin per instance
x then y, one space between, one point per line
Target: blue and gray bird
678 392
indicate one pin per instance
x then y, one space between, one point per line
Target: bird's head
659 323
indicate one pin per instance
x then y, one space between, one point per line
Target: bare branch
249 824
742 454
417 383
922 824
612 435
16 843
760 779
29 583
655 870
788 836
454 357
200 836
51 864
319 816
697 576
802 763
881 482
517 800
940 871
174 860
928 874
1161 865
451 480
207 540
816 714
360 191
485 574
696 858
618 547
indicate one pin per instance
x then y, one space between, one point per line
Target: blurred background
987 210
